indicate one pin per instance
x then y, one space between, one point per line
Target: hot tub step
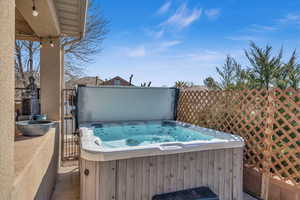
201 193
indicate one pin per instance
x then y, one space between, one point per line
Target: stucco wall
51 78
36 166
7 84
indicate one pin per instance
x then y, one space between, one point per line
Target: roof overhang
57 18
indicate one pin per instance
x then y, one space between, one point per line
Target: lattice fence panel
237 112
269 121
285 151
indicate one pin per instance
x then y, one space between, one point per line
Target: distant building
197 88
87 81
95 81
117 81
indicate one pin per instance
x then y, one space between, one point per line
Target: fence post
268 146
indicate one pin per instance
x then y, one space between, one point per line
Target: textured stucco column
62 124
7 89
51 75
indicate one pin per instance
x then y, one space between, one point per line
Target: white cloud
207 56
136 52
164 46
168 44
164 8
183 17
242 38
159 34
262 28
212 13
290 18
155 34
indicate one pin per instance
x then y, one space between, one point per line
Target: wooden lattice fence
269 121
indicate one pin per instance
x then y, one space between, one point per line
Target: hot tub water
141 134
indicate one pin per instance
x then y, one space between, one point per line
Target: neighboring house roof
113 81
88 81
94 81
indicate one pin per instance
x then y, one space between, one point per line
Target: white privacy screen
125 103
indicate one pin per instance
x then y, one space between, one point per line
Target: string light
35 13
51 43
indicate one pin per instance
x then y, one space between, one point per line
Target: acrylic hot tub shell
143 171
92 150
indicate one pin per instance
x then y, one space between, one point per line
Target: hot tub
132 148
123 140
138 159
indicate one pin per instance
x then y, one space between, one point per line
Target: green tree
289 75
266 70
264 66
231 74
210 83
183 84
294 77
242 78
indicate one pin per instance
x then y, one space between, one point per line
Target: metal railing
70 137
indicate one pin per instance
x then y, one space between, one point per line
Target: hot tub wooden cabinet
140 178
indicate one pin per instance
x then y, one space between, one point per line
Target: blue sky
167 40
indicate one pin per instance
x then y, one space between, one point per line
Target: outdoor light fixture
35 13
51 43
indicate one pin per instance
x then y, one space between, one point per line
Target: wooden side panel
121 180
221 173
211 165
215 177
107 176
199 169
160 174
205 168
180 172
138 178
153 188
145 177
228 174
82 179
167 171
88 180
142 178
237 174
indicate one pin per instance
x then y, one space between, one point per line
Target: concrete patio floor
68 187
